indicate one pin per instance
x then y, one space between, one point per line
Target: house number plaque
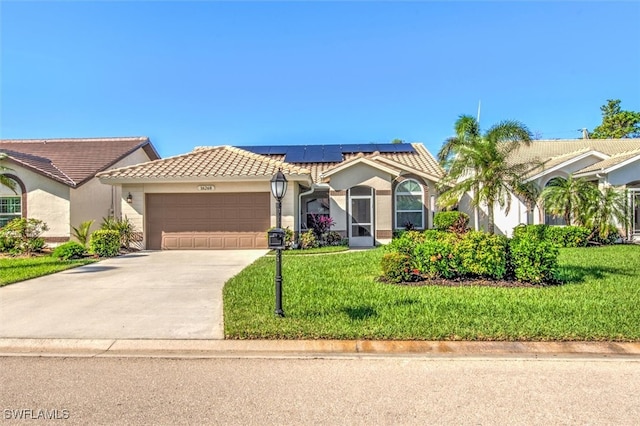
206 187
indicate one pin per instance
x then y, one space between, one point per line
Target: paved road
146 295
358 391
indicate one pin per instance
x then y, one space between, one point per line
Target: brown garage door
207 221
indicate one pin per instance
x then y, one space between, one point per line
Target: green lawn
19 269
338 297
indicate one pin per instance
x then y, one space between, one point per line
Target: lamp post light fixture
279 189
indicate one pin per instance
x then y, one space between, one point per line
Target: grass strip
19 269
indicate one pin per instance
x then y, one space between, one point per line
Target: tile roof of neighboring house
611 161
73 161
206 162
551 153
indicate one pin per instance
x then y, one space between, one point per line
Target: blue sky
272 73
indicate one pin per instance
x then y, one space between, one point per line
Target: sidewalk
310 348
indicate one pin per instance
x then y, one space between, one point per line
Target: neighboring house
55 180
219 197
614 162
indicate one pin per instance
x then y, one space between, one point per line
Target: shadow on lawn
360 313
574 274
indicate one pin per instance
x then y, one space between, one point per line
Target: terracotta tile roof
72 161
206 162
550 153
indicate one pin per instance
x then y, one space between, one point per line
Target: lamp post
278 189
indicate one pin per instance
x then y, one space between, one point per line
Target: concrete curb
309 348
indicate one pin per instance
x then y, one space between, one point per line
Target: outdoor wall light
279 189
129 198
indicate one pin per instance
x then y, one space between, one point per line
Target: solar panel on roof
395 147
332 154
325 153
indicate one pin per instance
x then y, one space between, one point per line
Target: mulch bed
468 282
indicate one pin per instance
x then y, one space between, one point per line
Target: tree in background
479 164
4 179
617 123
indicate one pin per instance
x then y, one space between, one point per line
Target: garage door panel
207 221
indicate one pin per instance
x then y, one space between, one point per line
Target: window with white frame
409 202
10 208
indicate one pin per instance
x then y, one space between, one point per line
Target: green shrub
407 242
308 240
483 255
562 236
533 260
22 236
124 227
612 236
453 221
435 258
333 238
69 250
397 268
105 243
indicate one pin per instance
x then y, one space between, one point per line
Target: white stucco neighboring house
219 197
614 162
55 180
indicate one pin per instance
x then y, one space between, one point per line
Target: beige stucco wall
47 200
95 200
360 174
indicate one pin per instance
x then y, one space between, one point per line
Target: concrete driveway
146 295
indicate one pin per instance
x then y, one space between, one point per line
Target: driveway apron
145 295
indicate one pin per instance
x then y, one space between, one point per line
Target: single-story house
55 180
614 162
219 197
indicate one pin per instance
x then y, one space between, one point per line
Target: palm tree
571 198
608 211
480 164
4 179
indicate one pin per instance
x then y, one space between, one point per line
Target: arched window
10 204
409 202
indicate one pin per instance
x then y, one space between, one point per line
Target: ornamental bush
529 256
105 243
407 242
562 236
533 260
453 221
308 240
22 236
69 250
435 257
483 255
397 268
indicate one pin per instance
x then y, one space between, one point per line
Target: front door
361 229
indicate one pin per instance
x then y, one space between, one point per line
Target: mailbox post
277 235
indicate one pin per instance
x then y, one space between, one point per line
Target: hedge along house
219 197
55 180
614 162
